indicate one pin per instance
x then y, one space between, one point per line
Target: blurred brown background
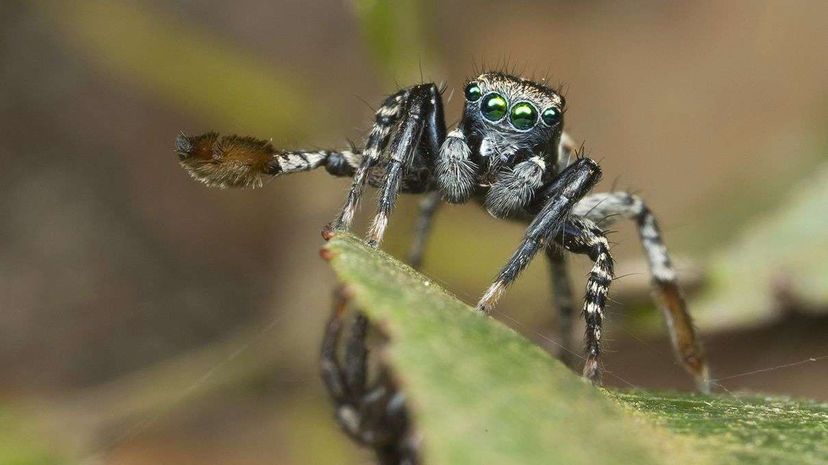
149 320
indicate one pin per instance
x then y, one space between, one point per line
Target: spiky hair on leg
228 161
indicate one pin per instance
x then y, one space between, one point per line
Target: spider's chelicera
510 154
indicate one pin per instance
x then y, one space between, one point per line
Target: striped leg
563 301
582 236
423 110
235 161
604 208
559 196
385 119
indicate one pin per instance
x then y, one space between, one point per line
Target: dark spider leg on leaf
558 198
421 125
603 208
582 236
563 301
371 413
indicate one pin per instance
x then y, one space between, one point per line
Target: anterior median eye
551 116
523 116
472 92
494 107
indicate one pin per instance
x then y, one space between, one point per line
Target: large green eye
472 92
523 116
494 107
551 116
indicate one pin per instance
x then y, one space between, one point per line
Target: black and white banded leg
234 161
583 236
604 208
385 119
556 201
371 412
421 127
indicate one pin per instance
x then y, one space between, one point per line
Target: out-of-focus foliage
480 393
784 252
186 66
395 34
19 447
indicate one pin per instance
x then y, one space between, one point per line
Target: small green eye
523 116
472 92
494 107
551 116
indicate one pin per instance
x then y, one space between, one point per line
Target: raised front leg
558 198
604 208
235 161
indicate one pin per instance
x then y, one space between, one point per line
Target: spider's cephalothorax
509 152
506 144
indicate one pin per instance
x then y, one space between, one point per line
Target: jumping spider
510 154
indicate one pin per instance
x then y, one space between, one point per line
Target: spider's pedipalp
514 188
558 198
455 172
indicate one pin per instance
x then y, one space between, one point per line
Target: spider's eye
551 116
472 92
523 116
494 107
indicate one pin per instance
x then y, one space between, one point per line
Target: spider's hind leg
237 162
603 208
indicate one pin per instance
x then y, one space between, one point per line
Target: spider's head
506 116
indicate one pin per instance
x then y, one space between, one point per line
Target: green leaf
20 445
482 394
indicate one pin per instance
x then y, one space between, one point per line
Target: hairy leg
371 412
234 161
419 127
386 118
582 236
604 208
557 200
